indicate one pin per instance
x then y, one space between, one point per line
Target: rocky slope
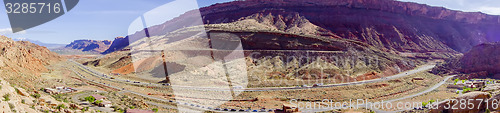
481 61
388 24
22 63
97 46
324 57
24 57
118 44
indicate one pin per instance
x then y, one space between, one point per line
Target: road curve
391 100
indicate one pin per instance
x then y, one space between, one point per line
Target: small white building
105 103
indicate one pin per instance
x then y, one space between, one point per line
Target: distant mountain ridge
391 25
118 44
97 46
48 45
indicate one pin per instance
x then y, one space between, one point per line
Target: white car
237 87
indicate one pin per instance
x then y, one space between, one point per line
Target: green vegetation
432 101
466 90
90 99
98 102
36 95
17 90
424 104
155 109
119 110
6 97
60 106
59 97
487 111
11 106
469 89
23 101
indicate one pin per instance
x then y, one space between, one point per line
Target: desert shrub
98 101
36 95
11 106
6 97
61 106
424 104
91 99
432 101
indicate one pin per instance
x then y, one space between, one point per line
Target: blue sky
107 19
90 19
486 6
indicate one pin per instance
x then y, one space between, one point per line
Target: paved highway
392 100
104 76
190 109
186 107
406 73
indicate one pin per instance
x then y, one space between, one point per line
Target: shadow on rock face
172 67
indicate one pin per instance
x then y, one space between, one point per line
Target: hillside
188 56
480 62
22 62
391 25
24 57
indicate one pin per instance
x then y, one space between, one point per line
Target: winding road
392 100
402 74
